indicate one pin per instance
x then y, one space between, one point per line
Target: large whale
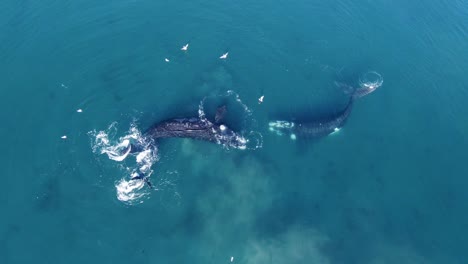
324 127
199 128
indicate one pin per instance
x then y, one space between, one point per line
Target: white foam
145 160
279 126
371 80
101 138
243 142
237 97
115 154
128 191
142 155
335 130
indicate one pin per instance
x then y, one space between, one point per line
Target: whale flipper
220 113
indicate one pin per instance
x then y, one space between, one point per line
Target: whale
323 127
198 128
312 129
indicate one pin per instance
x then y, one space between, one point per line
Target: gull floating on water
63 137
79 110
185 47
260 100
166 60
224 56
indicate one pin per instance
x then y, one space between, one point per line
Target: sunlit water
83 80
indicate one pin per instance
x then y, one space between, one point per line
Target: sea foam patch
130 188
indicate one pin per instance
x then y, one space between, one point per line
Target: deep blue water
390 187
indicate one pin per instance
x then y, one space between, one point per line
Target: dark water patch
286 210
49 199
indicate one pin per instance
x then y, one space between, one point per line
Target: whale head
227 137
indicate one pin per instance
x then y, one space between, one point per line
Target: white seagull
260 100
224 56
185 47
166 59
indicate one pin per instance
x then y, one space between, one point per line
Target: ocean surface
389 187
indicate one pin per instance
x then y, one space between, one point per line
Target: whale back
182 127
324 127
196 128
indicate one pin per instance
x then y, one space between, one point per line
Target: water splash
135 172
370 80
136 154
130 191
249 139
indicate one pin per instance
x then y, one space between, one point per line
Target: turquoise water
390 187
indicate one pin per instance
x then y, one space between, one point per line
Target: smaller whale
321 128
312 129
